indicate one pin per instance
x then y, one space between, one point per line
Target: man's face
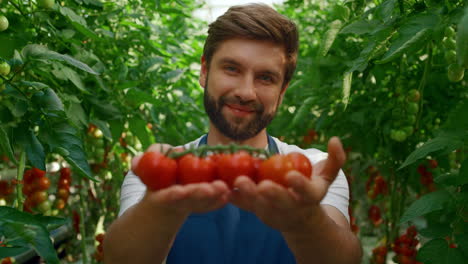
243 86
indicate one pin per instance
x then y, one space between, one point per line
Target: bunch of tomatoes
226 163
35 187
99 253
405 247
63 188
6 189
426 177
376 184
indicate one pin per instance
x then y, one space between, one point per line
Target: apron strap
272 146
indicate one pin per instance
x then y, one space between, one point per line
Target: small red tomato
411 231
38 197
193 169
38 172
156 171
64 183
63 193
41 184
375 215
99 237
433 163
231 166
257 162
28 176
60 204
301 163
27 189
65 173
275 169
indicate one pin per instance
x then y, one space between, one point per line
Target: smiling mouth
239 110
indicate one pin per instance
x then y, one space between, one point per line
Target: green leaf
35 51
77 115
85 31
455 179
6 146
48 100
436 231
116 128
359 27
428 203
37 85
11 251
104 127
138 128
445 141
347 81
70 14
437 251
26 229
385 10
412 34
136 96
462 241
330 37
301 114
35 151
74 77
62 135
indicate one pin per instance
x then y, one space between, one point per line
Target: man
248 61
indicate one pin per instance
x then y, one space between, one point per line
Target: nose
246 89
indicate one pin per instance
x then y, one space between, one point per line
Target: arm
143 234
329 240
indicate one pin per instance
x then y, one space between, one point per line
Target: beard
239 129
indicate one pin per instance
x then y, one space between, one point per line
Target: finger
135 161
301 187
335 160
161 148
276 195
245 194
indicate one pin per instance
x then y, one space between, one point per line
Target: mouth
239 110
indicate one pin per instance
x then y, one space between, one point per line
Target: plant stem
19 177
82 222
422 83
17 7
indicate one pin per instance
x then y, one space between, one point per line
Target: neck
215 137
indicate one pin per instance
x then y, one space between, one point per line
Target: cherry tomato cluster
99 253
375 215
376 183
6 189
310 137
35 189
405 247
159 171
455 71
426 177
63 188
379 255
404 115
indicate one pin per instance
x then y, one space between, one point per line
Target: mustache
252 105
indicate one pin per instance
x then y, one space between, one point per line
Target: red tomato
375 215
38 172
60 204
64 183
41 184
301 163
275 169
433 163
27 189
100 237
156 171
257 162
231 166
411 231
193 169
63 193
65 173
38 197
28 176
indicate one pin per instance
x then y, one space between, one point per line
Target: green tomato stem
82 222
19 177
422 83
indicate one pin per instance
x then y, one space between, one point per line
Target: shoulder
315 155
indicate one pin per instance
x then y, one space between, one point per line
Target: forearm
142 234
324 242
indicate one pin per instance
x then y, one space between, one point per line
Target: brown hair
254 21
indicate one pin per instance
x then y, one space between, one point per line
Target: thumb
336 159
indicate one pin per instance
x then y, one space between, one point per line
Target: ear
283 91
203 72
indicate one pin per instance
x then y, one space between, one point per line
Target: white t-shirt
337 196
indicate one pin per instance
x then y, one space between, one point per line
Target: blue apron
229 235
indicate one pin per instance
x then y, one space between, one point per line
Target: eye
266 78
230 68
